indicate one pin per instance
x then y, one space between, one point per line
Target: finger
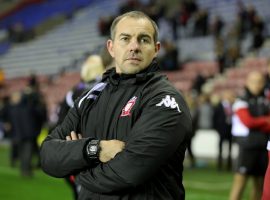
80 136
68 138
73 135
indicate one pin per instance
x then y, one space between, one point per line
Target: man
91 72
250 125
137 120
25 115
222 120
266 186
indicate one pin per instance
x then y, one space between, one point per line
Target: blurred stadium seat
59 47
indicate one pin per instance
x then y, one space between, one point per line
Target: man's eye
145 40
124 38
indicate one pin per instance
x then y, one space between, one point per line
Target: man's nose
134 45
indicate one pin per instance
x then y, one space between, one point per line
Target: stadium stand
34 12
59 47
21 19
228 9
202 48
50 54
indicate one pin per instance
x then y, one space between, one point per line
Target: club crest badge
126 110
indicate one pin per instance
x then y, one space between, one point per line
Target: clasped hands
108 148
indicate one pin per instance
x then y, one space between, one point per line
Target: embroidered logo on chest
126 110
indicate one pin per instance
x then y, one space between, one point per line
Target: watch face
93 148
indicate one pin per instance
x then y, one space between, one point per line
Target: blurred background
208 48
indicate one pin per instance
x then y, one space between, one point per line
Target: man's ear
110 47
157 48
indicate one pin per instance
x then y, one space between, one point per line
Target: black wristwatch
92 150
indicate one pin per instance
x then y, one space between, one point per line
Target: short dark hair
136 15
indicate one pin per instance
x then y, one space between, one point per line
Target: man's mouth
134 59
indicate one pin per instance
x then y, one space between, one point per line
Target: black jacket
146 112
222 122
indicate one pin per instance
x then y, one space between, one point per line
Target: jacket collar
114 78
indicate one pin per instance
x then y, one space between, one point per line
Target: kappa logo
169 102
126 110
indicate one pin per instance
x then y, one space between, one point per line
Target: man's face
133 47
255 83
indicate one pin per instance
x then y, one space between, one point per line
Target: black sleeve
156 135
59 157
